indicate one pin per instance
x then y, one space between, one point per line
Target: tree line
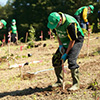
35 13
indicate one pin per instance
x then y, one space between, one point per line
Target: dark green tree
36 12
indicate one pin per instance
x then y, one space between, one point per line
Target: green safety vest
14 29
62 30
79 11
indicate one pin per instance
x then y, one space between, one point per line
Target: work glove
61 49
64 57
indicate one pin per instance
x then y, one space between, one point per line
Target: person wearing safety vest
99 15
70 38
12 31
98 19
81 15
3 24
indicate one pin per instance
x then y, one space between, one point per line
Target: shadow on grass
25 91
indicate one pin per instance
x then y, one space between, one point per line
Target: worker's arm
72 34
85 15
71 44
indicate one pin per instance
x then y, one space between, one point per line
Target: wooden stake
4 39
8 53
20 69
50 34
26 37
17 38
21 48
20 66
41 35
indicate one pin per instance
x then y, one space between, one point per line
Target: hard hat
53 20
4 23
92 8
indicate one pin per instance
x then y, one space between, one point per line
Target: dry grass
35 87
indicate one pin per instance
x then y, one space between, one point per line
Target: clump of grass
94 86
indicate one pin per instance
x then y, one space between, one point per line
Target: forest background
34 13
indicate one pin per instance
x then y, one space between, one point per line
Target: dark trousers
72 56
13 39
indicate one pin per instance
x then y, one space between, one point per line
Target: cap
92 8
13 20
4 23
53 20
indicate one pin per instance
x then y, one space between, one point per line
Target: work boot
75 77
58 72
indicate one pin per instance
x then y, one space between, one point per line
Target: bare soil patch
14 86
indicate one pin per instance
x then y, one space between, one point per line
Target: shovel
63 70
63 75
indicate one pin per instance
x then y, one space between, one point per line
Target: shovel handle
63 74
